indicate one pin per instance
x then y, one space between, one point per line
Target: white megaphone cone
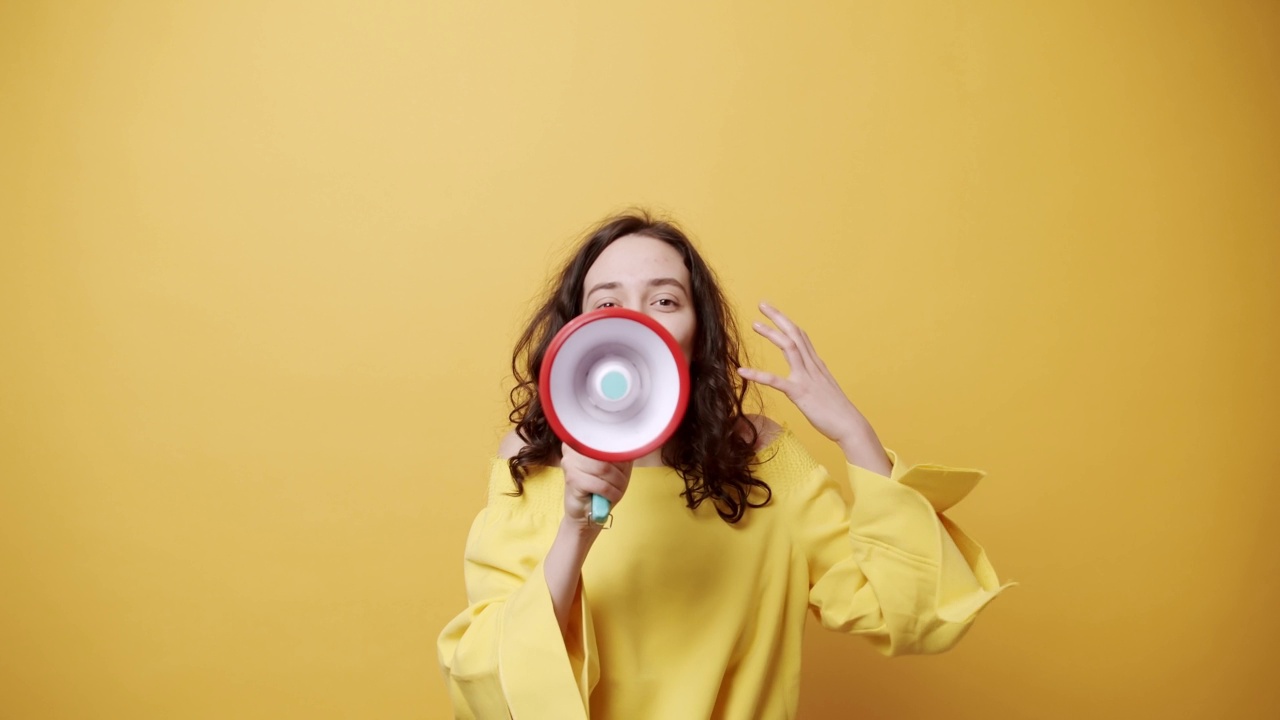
614 386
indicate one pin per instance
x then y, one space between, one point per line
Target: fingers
766 378
782 321
589 476
790 348
593 485
590 465
794 336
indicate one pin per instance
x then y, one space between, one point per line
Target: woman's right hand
584 477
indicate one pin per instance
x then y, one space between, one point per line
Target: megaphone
614 386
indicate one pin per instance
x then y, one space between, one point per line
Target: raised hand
815 391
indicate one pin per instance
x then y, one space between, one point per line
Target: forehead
637 257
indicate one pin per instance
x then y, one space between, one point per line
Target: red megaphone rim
548 406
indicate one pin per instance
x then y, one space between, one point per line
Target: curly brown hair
713 450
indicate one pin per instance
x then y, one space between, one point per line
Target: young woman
692 605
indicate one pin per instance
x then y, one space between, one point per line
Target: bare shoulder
766 430
510 445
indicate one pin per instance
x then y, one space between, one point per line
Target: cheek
683 328
686 336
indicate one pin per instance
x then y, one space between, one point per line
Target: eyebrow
656 282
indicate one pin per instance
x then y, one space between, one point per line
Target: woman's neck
653 459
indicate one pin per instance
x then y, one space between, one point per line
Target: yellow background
263 264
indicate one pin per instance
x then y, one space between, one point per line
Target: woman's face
640 273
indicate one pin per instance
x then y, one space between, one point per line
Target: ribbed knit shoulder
543 490
785 463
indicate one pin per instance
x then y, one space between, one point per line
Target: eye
666 302
606 304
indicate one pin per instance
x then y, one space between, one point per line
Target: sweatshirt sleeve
504 656
892 567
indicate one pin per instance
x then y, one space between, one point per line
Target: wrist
854 432
863 449
579 532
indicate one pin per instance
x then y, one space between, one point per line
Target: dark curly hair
713 450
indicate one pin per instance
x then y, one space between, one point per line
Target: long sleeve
892 567
504 656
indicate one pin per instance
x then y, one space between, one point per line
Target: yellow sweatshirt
686 616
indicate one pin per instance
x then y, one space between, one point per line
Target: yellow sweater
686 616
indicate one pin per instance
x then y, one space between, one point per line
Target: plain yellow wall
263 263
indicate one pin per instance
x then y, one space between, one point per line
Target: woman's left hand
813 389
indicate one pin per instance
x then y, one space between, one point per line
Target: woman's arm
891 568
583 477
563 569
524 645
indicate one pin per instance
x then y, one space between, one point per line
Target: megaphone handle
599 509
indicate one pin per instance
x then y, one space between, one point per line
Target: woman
693 604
